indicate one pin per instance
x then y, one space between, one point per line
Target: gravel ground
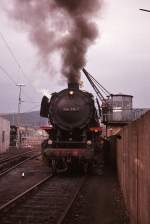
100 202
13 183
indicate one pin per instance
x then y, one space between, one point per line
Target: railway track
48 201
10 163
14 152
11 157
68 208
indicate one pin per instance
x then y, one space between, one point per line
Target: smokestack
64 27
73 85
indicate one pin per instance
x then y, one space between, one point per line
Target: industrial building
4 135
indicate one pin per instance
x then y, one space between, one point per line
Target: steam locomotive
74 130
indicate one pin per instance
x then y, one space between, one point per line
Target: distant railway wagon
26 137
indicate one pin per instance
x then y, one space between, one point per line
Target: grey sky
120 59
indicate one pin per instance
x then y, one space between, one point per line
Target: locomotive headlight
71 92
89 142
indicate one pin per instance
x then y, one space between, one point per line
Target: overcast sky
120 59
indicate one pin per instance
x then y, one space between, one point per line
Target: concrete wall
133 160
4 135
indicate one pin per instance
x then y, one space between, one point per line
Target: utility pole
20 99
18 112
19 102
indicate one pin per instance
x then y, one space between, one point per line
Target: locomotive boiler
74 129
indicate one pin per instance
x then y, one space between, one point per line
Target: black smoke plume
59 26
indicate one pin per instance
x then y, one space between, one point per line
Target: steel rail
65 213
15 166
15 200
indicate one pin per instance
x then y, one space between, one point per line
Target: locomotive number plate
72 109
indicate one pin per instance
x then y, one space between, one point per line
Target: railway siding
46 204
14 183
133 159
11 163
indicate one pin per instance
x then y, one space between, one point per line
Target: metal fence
122 116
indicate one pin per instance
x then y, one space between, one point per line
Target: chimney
73 85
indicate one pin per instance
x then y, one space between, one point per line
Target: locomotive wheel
54 168
85 168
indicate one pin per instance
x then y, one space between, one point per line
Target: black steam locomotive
74 132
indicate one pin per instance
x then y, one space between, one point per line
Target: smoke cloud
66 27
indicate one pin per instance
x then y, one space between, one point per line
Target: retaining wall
133 160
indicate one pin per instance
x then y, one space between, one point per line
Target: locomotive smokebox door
71 109
44 107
